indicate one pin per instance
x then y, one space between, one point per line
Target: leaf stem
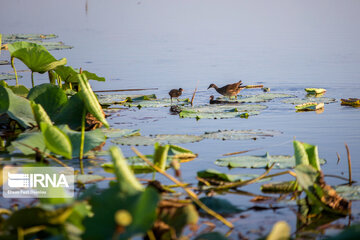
82 141
32 79
13 66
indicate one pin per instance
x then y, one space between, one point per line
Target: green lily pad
240 134
221 111
7 38
110 99
50 97
18 108
161 138
52 45
262 97
83 178
219 176
118 133
220 205
348 192
264 161
156 103
298 101
19 90
8 76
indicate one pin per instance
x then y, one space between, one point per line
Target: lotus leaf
110 99
155 103
240 134
20 37
50 97
315 90
8 76
56 140
220 205
298 101
84 178
117 133
18 108
161 138
219 176
40 114
262 97
71 112
281 161
34 56
354 102
90 100
221 111
310 106
69 74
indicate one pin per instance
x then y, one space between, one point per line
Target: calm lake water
285 45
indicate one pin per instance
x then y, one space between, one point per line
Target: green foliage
219 176
240 134
40 114
306 154
56 140
70 75
18 108
90 100
71 112
34 56
160 138
51 97
160 155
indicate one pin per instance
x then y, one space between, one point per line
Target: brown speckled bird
229 90
175 93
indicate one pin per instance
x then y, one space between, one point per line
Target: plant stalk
13 66
32 79
82 141
349 162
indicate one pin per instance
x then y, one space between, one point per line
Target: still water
285 45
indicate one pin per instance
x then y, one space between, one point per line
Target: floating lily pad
298 101
263 97
83 178
161 138
315 90
310 106
157 103
4 62
7 38
220 205
240 134
110 99
219 176
52 45
354 102
348 192
221 111
8 76
264 161
117 133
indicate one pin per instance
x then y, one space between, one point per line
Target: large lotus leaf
90 100
50 97
19 90
21 37
71 112
156 103
8 76
34 56
140 210
18 108
348 192
117 133
298 101
262 97
69 74
109 99
52 45
56 140
32 139
220 205
219 176
240 134
250 161
4 62
92 139
161 138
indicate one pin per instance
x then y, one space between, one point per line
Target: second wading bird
175 93
229 90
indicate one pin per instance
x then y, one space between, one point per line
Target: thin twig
339 177
193 96
191 194
241 152
126 90
47 155
349 162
